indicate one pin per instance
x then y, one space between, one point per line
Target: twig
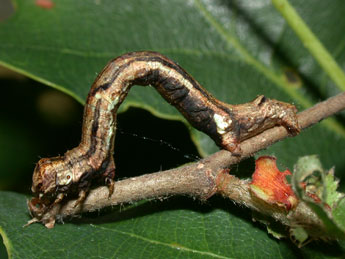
208 176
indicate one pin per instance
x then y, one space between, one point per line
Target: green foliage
235 49
180 228
318 188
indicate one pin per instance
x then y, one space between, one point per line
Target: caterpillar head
50 174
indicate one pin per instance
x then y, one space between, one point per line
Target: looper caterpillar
228 125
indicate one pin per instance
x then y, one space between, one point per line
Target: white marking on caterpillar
222 123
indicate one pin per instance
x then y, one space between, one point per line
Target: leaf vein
156 242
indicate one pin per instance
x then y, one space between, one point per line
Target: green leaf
179 228
317 188
333 197
339 213
236 50
311 42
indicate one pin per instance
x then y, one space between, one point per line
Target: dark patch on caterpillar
172 91
94 128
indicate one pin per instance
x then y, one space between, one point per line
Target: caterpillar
227 124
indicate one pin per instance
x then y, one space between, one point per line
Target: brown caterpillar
226 124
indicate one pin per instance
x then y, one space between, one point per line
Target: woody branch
208 176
